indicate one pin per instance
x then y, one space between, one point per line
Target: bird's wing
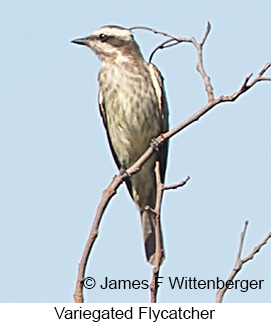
103 114
158 83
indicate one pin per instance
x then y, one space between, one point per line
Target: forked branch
239 261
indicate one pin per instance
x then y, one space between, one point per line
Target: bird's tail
148 227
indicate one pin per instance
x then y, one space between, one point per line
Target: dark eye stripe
111 40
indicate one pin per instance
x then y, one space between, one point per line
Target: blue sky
55 161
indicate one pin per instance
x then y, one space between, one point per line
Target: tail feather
148 227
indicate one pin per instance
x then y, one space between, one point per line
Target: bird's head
110 43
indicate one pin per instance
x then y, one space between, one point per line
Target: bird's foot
124 174
155 144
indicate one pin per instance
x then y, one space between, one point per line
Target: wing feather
103 115
158 83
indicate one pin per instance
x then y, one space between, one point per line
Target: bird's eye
103 37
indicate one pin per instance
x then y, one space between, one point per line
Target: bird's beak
81 41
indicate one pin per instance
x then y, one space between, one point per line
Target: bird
133 107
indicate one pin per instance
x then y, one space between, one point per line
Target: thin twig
106 197
158 233
163 45
208 29
160 188
198 46
177 185
155 31
239 262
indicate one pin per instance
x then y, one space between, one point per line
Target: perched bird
134 110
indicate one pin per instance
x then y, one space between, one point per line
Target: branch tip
266 67
177 185
240 261
208 29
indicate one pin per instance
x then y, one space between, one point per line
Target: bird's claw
124 174
154 144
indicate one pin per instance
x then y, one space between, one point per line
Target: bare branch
158 233
177 185
239 262
246 85
242 241
192 40
211 104
265 79
266 67
256 249
106 197
155 31
164 44
200 67
208 29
